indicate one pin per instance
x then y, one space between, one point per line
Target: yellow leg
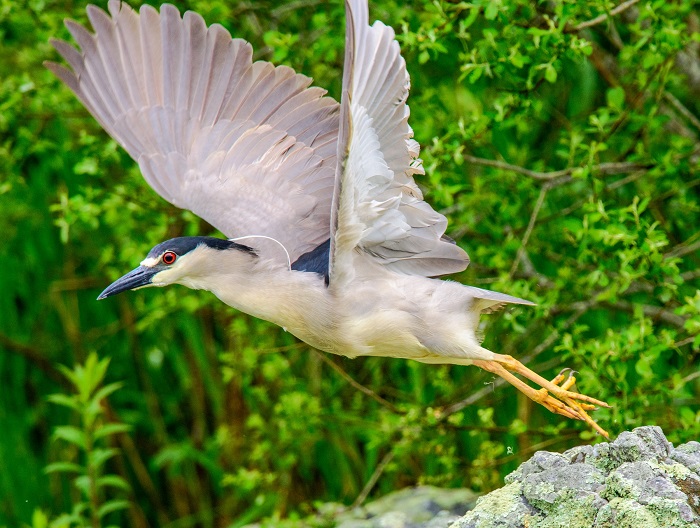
553 395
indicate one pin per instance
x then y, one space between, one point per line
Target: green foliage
91 442
563 146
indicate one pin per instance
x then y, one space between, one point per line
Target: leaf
473 15
64 467
475 74
643 367
86 166
107 390
99 456
518 60
491 10
68 373
70 434
111 429
550 74
615 97
112 506
39 519
113 481
63 399
82 483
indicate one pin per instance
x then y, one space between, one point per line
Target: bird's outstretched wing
248 147
378 210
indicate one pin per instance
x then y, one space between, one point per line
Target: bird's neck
294 300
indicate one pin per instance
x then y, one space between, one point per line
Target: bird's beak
137 278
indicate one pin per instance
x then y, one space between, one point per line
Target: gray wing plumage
378 209
246 146
487 301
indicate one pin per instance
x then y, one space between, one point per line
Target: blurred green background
590 209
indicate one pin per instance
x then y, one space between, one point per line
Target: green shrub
562 145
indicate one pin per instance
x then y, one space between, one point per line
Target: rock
638 481
688 455
420 507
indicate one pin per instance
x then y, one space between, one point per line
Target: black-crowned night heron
331 237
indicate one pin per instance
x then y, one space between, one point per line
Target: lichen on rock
637 481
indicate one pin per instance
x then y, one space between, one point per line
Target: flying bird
330 237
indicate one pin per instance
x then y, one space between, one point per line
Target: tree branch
655 312
683 249
369 392
690 275
602 18
373 480
603 168
33 356
682 110
530 227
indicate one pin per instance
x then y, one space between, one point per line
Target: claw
554 395
559 377
570 381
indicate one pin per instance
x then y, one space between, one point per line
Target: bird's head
183 260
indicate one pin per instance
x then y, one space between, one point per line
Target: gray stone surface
420 507
637 481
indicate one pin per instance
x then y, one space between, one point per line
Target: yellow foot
554 395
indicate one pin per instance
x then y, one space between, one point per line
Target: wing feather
487 301
247 146
378 210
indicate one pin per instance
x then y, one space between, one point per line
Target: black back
315 261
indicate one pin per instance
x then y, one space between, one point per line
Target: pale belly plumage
426 320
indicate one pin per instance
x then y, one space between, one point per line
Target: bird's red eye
169 257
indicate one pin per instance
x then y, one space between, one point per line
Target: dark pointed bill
137 278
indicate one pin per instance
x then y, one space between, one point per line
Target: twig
655 312
580 203
471 399
72 284
690 275
672 192
681 109
369 392
603 168
684 342
35 357
683 249
529 271
373 480
602 18
624 181
530 227
294 6
131 452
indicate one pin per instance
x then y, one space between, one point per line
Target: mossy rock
638 481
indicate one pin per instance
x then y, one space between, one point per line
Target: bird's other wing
487 301
248 147
377 207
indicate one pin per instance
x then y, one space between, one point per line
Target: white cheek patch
165 277
157 279
150 262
